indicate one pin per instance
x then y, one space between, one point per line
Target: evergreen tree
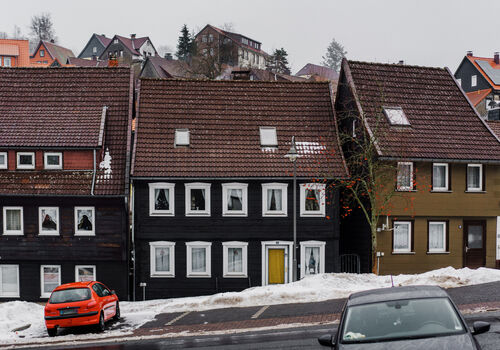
184 45
334 54
278 62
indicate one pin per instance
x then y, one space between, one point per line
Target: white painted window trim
473 189
446 177
398 185
42 294
312 244
12 232
284 200
85 232
178 136
316 186
6 157
197 185
406 250
152 255
26 166
40 221
47 154
439 250
244 194
244 257
459 81
288 259
208 259
473 80
9 295
171 198
85 267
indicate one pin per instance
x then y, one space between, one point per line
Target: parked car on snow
411 317
80 304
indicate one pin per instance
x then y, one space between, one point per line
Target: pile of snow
310 289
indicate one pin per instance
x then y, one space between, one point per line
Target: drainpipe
93 177
132 204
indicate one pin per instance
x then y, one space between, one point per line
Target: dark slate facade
465 72
94 47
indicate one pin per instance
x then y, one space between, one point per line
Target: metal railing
350 263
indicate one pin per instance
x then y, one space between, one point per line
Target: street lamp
293 155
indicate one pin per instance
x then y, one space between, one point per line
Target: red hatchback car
80 304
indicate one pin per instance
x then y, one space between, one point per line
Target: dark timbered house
64 150
213 190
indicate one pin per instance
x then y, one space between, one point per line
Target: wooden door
276 265
474 244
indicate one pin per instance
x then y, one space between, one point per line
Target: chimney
469 53
104 35
112 61
132 36
168 56
52 41
401 62
496 57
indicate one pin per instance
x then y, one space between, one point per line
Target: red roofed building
14 53
126 50
48 54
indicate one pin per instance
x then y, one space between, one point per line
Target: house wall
39 61
88 52
217 229
465 71
127 57
23 60
147 48
72 160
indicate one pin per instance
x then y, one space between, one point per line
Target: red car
80 304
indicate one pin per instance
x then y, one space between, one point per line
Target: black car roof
396 293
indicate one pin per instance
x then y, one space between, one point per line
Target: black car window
98 289
105 291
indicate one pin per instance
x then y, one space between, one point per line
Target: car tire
101 325
116 317
52 332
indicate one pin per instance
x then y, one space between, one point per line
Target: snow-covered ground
313 288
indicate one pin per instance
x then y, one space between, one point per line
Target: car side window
105 291
98 289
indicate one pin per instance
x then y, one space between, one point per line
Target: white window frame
406 250
208 259
473 189
7 61
6 157
284 205
244 257
197 185
178 133
459 81
40 221
85 267
9 295
317 186
115 41
273 142
48 154
26 166
244 194
42 53
398 186
473 80
42 294
171 198
312 244
446 177
12 232
434 250
94 49
84 232
403 121
152 255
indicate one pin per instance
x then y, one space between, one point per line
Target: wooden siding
72 160
465 72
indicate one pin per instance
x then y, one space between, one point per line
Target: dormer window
3 160
182 137
115 41
26 160
42 53
268 137
53 160
396 116
94 49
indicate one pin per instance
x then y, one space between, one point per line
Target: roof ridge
396 64
237 81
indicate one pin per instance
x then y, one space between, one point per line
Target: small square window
437 236
162 261
181 137
53 160
405 176
9 281
312 199
402 237
13 221
473 81
26 160
197 199
48 221
85 273
84 221
440 177
234 255
161 199
274 199
50 279
234 199
115 41
396 116
42 53
474 177
268 137
312 258
3 160
199 259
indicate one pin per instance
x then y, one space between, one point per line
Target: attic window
268 137
396 116
182 137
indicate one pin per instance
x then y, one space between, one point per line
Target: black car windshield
400 319
69 295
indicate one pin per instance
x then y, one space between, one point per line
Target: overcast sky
421 32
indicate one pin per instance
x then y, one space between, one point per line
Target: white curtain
436 237
162 259
235 260
404 175
13 218
312 200
235 199
198 260
473 177
312 260
50 279
85 274
161 199
438 176
401 237
274 199
9 279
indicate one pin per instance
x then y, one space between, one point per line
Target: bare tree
227 26
164 49
42 27
17 34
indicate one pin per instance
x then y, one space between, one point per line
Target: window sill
10 296
162 276
438 253
401 190
161 214
198 276
313 215
468 191
270 215
198 214
441 191
48 234
85 234
403 253
241 215
13 234
235 276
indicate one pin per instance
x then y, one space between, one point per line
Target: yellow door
276 265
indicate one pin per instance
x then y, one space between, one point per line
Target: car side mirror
326 340
480 327
113 292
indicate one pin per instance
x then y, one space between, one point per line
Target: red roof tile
58 52
494 126
477 96
474 60
321 71
223 118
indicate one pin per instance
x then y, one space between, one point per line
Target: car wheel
52 332
116 317
101 325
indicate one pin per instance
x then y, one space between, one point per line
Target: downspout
132 223
93 176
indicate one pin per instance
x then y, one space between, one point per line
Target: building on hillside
95 46
64 165
213 195
238 73
128 50
230 48
446 163
315 72
48 54
160 67
14 53
479 77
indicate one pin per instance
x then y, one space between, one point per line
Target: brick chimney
469 53
168 56
132 36
496 57
112 61
401 62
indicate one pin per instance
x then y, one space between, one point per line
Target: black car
411 317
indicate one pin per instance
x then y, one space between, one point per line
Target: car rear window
69 295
